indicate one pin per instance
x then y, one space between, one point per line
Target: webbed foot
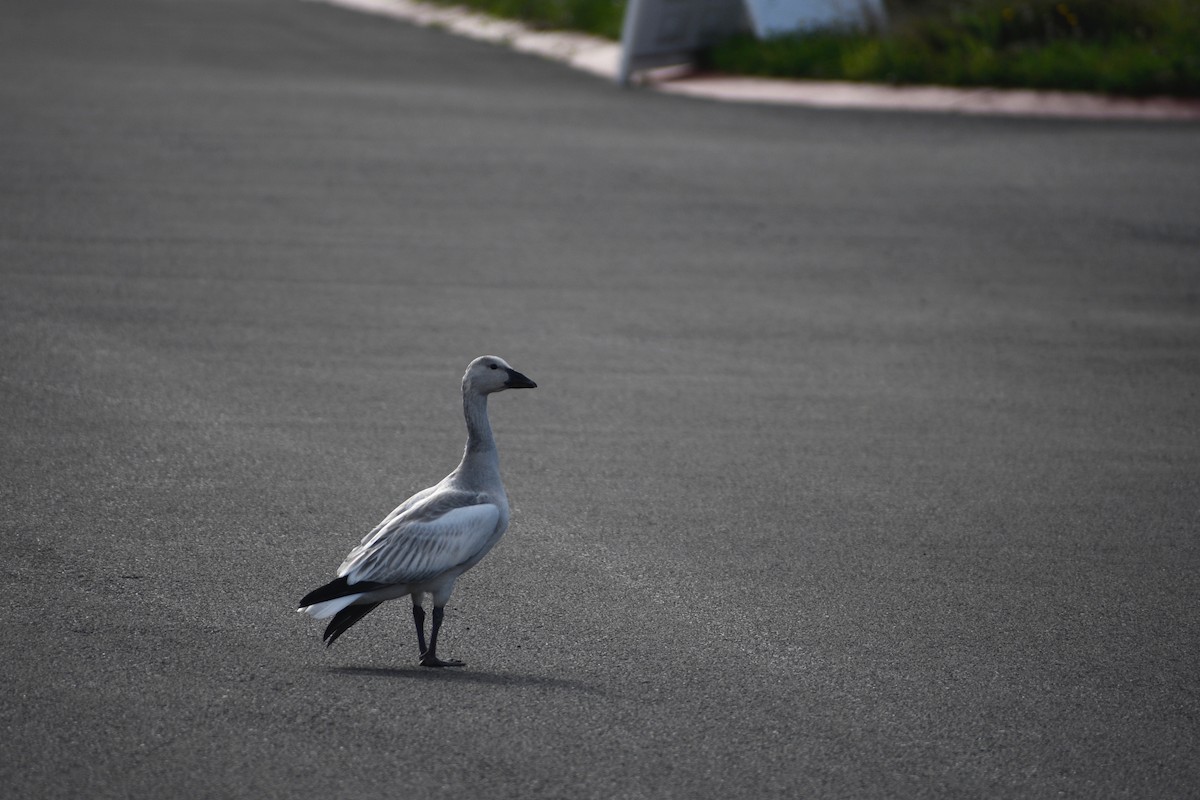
430 660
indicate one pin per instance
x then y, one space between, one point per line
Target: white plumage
434 536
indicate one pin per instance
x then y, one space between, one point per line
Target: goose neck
479 429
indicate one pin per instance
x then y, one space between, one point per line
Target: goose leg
419 620
429 657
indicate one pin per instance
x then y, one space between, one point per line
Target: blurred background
1127 47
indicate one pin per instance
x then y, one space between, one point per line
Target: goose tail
335 596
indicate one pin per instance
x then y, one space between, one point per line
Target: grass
597 17
1124 47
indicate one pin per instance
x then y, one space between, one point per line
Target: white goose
434 536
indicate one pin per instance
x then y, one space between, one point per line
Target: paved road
865 460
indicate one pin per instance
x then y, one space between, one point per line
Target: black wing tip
335 589
344 620
330 591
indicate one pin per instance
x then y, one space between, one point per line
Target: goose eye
494 366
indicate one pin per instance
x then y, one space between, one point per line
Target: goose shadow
508 679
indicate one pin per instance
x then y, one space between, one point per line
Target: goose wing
432 536
407 505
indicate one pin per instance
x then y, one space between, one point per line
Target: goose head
488 374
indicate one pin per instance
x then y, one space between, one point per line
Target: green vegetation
1129 47
598 17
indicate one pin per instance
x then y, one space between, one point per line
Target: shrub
1135 47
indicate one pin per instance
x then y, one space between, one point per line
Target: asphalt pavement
864 462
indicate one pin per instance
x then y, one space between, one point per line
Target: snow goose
434 536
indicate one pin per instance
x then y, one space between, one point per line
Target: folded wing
425 541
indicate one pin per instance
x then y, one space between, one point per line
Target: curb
601 57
